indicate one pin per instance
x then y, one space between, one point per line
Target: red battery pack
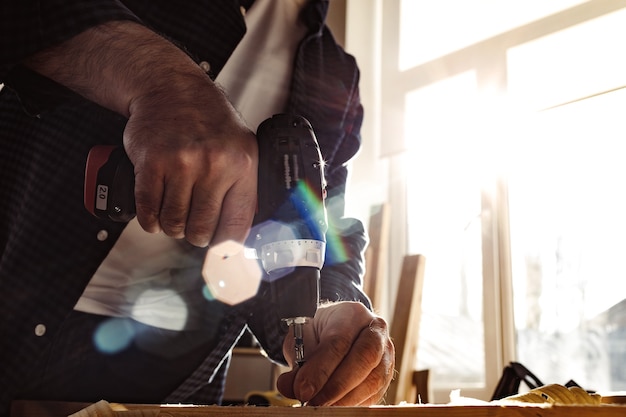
109 191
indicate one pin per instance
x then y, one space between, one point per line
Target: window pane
430 29
444 225
568 240
580 61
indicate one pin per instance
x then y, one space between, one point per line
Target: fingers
351 362
175 206
371 347
175 201
149 188
206 211
200 193
364 370
238 207
285 383
195 161
203 214
368 392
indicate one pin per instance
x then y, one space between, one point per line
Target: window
443 221
432 29
568 236
505 117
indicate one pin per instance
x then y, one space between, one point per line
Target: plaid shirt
50 246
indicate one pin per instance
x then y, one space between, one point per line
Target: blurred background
495 131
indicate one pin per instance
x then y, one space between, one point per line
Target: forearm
28 26
195 161
116 63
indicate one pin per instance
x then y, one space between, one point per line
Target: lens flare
113 335
308 203
336 251
230 277
206 292
310 209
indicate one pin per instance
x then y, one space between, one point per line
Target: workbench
104 409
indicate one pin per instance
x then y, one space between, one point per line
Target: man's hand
349 358
195 160
195 164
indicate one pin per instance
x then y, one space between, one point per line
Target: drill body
289 232
291 223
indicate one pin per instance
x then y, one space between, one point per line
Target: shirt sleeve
29 26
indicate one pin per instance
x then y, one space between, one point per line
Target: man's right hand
195 160
195 166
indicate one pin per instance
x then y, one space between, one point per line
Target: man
135 73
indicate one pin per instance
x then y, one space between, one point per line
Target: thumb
285 382
286 385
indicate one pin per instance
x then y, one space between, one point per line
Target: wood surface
103 409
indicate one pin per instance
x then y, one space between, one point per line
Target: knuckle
377 334
145 201
379 325
146 210
173 217
201 224
172 226
355 307
339 345
147 214
198 236
239 161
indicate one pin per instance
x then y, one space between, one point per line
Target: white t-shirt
150 277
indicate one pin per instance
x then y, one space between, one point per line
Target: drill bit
298 335
299 345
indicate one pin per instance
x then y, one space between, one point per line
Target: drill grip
291 223
296 293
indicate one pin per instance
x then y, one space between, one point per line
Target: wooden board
405 328
55 409
376 255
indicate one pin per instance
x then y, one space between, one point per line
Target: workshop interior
490 181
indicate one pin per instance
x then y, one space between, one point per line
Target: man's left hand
350 358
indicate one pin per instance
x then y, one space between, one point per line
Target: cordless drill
289 232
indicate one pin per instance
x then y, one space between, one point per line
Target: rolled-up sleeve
29 26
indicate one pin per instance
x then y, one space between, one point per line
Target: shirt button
206 67
102 235
40 329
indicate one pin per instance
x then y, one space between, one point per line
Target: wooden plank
405 328
376 255
23 408
36 409
421 380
